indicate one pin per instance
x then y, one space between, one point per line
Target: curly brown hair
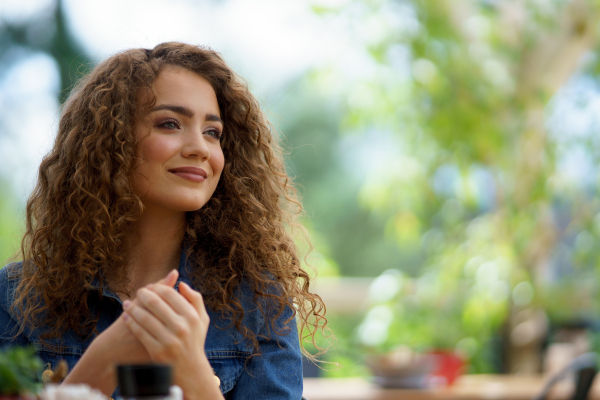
82 209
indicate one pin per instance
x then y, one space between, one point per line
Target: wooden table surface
468 387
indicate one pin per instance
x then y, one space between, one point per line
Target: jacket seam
57 349
227 354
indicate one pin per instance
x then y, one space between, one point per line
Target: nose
195 146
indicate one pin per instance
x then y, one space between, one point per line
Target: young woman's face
181 153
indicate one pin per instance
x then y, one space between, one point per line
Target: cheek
157 149
217 161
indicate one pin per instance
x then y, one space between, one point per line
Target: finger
170 279
146 320
148 341
194 297
177 302
154 304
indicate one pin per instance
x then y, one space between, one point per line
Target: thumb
170 279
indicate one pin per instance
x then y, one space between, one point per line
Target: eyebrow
213 117
185 112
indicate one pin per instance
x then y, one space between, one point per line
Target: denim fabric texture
276 373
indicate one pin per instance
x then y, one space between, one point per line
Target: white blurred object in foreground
71 392
84 392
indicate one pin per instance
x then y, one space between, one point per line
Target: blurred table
468 387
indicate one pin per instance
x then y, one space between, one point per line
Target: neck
158 235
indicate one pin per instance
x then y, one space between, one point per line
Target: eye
214 133
170 124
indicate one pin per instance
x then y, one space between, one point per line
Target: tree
47 33
473 195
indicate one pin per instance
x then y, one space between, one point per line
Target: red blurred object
448 367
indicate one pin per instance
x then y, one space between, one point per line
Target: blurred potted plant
420 331
20 369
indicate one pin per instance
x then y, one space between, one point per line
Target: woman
164 182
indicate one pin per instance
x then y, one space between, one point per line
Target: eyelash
163 124
217 133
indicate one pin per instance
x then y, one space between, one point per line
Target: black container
144 381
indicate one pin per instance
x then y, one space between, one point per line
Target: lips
193 174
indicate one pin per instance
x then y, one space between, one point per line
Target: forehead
179 86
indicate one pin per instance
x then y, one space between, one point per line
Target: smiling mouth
192 174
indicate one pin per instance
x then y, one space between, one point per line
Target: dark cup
144 380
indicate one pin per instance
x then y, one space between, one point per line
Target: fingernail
126 304
126 317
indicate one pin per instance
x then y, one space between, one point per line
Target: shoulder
266 304
12 270
257 302
263 293
10 274
9 279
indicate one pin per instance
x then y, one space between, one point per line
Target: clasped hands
172 328
170 325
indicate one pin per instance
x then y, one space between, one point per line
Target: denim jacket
276 373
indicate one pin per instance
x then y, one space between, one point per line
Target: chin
178 201
189 206
194 208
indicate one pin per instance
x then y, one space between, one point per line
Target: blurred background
447 153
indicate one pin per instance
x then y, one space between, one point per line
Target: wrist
200 384
94 369
105 359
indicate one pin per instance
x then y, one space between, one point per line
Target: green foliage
344 358
73 62
471 207
10 224
435 312
20 369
